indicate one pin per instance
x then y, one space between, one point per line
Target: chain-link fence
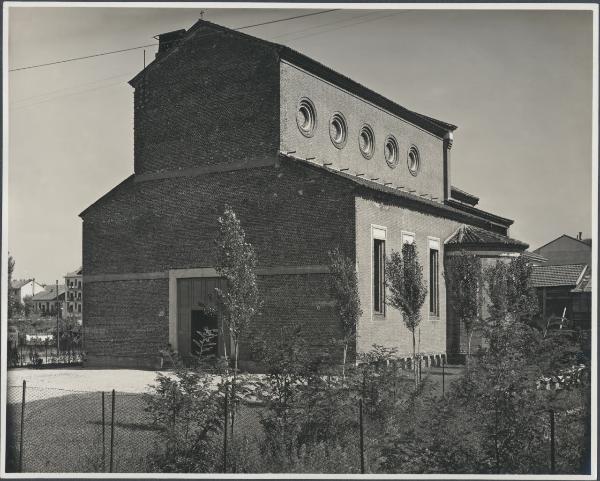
56 430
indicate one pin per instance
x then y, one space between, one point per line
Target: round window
391 151
306 117
366 141
338 130
414 161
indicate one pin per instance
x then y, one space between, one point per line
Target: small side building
48 301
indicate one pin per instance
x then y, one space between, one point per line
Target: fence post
420 362
112 430
225 428
362 445
552 458
103 437
22 429
443 376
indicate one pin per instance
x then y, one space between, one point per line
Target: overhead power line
155 44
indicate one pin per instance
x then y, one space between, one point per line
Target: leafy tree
464 279
511 296
237 264
13 301
404 275
344 289
27 305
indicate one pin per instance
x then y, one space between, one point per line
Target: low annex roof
419 202
49 294
468 236
437 127
557 276
585 284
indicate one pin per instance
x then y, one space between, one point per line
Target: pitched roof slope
585 284
431 124
588 244
18 283
49 294
412 200
556 276
470 236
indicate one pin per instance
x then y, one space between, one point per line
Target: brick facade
213 115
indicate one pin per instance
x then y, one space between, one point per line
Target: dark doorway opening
202 322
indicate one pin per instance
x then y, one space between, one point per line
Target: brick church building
309 160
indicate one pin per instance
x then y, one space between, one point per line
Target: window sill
379 315
434 318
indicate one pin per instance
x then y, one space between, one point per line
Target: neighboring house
309 160
564 281
25 288
74 293
567 250
46 302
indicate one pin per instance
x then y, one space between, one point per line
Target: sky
517 83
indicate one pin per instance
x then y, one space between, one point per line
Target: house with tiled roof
564 279
23 288
309 160
49 300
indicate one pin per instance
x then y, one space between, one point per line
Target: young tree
237 264
404 276
463 275
344 289
13 301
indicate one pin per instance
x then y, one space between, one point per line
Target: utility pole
57 331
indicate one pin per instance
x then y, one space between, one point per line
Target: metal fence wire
67 431
59 430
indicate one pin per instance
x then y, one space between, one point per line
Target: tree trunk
469 349
414 359
344 363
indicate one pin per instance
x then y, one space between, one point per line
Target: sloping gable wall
566 250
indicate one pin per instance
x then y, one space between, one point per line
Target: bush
188 409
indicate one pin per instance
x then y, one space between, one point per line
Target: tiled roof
533 257
475 215
75 273
556 276
463 196
18 283
469 236
49 294
585 285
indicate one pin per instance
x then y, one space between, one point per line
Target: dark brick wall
213 99
292 216
126 320
300 299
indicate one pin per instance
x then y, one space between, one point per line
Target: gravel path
47 383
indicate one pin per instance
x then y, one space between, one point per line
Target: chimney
169 40
579 236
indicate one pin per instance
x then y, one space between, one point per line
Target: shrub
188 409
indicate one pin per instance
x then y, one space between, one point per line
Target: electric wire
155 44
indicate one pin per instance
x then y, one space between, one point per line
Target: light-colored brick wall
328 99
389 330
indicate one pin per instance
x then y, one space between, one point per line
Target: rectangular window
379 275
434 285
